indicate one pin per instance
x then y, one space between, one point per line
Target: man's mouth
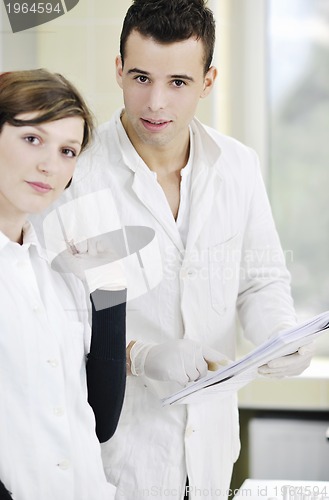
155 125
158 122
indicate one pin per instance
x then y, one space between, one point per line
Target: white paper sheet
239 373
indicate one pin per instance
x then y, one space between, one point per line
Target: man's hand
290 365
180 360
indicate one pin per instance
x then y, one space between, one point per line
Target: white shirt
183 216
132 158
48 447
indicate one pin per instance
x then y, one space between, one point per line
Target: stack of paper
234 376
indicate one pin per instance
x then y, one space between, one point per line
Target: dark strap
106 363
4 493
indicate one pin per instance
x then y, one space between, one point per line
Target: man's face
162 84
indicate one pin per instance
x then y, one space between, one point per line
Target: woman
48 446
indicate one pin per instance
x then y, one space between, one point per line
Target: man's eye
178 83
142 79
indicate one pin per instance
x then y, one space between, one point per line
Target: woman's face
36 163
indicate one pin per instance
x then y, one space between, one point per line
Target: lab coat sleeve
265 304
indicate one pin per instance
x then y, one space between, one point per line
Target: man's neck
164 159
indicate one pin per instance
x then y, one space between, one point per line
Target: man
203 195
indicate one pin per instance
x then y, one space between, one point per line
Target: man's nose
157 98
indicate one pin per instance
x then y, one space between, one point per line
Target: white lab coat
232 262
48 446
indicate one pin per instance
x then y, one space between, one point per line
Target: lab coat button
188 431
188 273
53 363
64 464
58 411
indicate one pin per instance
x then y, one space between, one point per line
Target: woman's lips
40 187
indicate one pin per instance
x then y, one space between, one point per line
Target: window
273 95
298 143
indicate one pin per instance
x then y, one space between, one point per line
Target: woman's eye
69 152
32 139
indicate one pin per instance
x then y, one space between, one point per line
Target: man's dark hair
168 21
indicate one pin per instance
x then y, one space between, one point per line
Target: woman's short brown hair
51 95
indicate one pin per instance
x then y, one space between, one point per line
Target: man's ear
118 70
209 81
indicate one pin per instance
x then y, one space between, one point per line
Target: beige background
82 45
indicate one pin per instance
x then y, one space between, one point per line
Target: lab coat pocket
224 269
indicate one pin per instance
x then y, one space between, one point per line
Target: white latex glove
180 360
94 261
290 365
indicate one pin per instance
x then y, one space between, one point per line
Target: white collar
29 240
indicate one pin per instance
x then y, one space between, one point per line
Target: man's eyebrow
138 71
182 77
